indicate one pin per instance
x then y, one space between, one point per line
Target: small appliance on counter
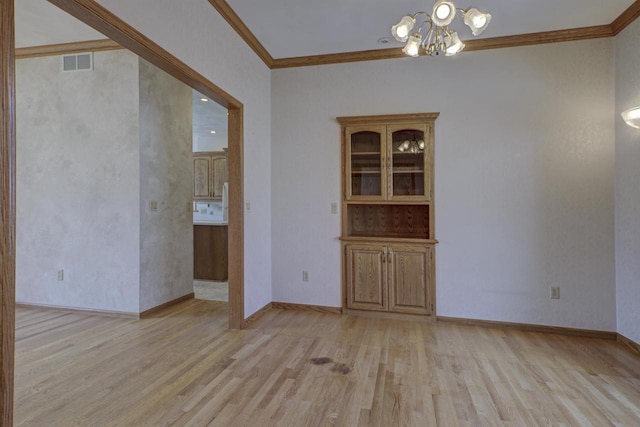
225 201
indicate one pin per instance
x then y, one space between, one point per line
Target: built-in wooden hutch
388 232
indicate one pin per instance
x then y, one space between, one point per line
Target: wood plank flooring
183 368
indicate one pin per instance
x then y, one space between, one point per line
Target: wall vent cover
78 62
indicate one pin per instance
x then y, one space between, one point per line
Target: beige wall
94 148
166 176
78 183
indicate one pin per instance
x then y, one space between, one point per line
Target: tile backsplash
207 210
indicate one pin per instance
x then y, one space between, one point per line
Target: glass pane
407 149
366 161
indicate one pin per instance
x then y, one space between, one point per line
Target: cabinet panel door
409 166
219 167
409 279
366 277
201 178
365 152
210 254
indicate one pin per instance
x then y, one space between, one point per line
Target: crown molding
574 34
338 58
243 31
585 33
66 48
626 18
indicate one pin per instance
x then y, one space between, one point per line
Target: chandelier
438 38
411 146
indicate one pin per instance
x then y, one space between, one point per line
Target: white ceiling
208 116
291 28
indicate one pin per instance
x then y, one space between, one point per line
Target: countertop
212 222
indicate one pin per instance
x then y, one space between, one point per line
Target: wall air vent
77 62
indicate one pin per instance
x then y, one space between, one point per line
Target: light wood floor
183 368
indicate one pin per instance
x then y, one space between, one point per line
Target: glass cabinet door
365 157
409 153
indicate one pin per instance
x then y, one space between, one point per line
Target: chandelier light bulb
632 117
402 29
443 13
476 20
412 48
454 44
479 21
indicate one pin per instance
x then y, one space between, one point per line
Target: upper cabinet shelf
388 162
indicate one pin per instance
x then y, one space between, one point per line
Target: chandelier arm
420 13
426 21
427 38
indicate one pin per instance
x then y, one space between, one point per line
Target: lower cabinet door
366 277
210 255
409 279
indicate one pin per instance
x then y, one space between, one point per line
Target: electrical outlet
61 275
305 276
248 204
334 208
555 292
153 205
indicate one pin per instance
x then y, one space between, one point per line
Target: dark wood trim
152 311
257 315
66 48
107 313
471 45
99 18
7 210
587 333
627 17
339 58
585 33
306 307
242 30
629 344
235 230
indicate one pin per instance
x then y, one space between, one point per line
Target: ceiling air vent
78 62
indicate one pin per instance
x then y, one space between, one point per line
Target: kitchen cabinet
389 277
388 222
209 175
210 252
